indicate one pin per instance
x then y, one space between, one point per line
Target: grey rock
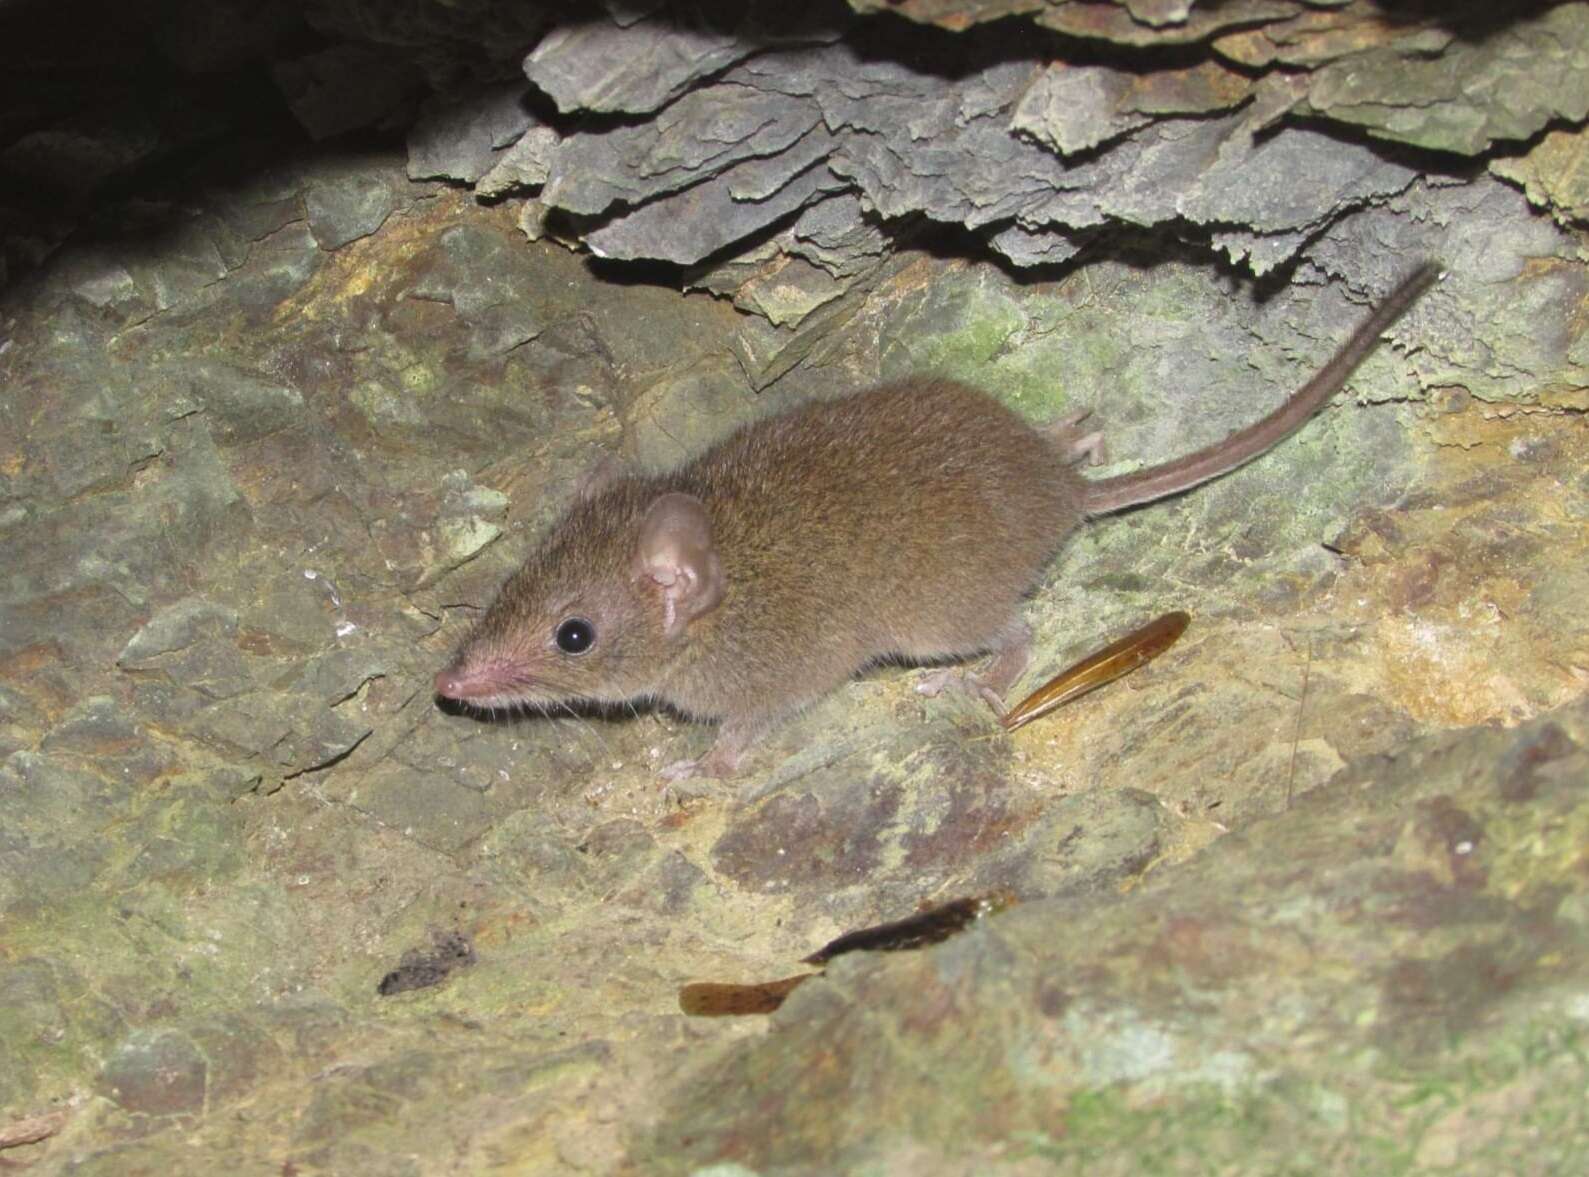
974 173
701 135
1149 22
93 559
251 725
466 523
915 143
1072 108
231 905
1261 252
1408 908
489 286
176 627
787 293
102 733
346 207
212 668
97 455
758 179
1500 333
291 610
256 205
532 218
1211 172
667 887
911 143
188 261
1508 84
460 138
1553 174
289 731
1026 247
327 738
829 249
699 221
1297 180
243 406
48 794
101 281
836 234
526 164
226 784
384 407
420 799
633 68
281 264
337 675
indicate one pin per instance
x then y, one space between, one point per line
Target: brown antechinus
907 522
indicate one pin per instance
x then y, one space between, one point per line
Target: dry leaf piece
929 926
1113 661
712 999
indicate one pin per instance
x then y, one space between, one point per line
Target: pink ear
675 553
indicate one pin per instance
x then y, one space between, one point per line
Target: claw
936 682
720 763
680 770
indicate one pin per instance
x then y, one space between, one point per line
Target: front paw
722 761
715 765
682 770
935 682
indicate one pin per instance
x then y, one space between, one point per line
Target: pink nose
474 680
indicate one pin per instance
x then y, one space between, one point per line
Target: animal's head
599 611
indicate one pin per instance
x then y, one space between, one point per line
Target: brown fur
908 521
811 514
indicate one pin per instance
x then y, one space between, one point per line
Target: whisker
584 725
590 728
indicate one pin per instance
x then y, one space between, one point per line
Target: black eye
575 636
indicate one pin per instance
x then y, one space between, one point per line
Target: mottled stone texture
700 134
1307 894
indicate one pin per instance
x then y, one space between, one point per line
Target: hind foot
991 682
723 760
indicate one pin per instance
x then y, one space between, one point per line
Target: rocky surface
1306 894
702 135
1402 952
249 513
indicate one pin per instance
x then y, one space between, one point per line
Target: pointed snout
471 680
453 683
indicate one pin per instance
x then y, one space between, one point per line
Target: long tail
1127 490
